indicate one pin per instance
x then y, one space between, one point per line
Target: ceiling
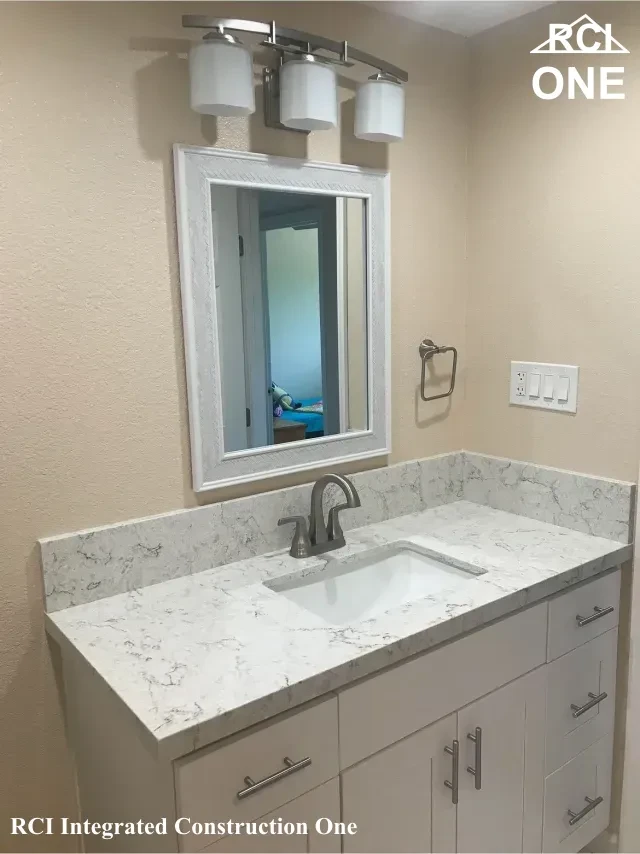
466 17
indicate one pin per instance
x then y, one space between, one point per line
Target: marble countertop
203 656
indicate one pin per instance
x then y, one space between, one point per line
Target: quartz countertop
201 657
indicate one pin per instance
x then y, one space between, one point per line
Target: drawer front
389 706
208 783
588 775
323 802
578 712
582 614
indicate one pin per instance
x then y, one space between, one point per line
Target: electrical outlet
544 386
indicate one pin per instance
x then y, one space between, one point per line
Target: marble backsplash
90 565
591 505
93 564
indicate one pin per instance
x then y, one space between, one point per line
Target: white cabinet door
502 809
323 802
398 799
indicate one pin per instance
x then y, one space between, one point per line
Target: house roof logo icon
570 38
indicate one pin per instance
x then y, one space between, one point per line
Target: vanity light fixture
221 76
308 94
300 88
380 109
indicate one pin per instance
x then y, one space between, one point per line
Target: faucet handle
334 528
300 544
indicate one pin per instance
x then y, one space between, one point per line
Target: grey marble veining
594 505
441 479
200 657
91 565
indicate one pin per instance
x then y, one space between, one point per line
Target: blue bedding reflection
314 420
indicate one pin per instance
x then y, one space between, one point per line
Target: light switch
563 389
534 385
544 386
548 386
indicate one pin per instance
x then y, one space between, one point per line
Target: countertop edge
184 738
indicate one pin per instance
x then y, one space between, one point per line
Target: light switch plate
544 386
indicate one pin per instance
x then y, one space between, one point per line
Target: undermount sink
365 585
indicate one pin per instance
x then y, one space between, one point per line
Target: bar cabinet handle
454 752
597 613
477 771
593 701
592 803
290 768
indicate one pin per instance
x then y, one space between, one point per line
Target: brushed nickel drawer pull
454 752
592 803
290 768
477 771
593 701
597 613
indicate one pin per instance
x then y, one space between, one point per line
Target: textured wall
93 414
554 223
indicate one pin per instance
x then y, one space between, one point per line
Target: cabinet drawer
208 782
389 706
323 802
582 614
572 679
588 775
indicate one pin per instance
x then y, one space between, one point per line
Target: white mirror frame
196 170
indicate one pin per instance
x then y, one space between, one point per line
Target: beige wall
553 257
554 223
92 399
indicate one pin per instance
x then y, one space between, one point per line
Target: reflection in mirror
291 308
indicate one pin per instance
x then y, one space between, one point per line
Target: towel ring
428 350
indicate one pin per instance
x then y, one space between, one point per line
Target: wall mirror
284 268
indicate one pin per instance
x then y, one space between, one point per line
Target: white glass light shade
221 75
308 95
380 111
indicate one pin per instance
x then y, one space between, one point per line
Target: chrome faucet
320 537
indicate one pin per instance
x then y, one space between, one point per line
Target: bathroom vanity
443 680
476 717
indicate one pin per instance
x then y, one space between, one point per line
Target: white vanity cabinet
500 740
543 741
420 794
403 798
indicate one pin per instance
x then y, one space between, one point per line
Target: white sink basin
356 588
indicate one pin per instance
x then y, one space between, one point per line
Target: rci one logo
583 36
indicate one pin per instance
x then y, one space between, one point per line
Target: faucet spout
318 533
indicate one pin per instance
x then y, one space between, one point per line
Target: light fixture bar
299 37
238 24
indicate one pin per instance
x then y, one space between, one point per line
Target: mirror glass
291 313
